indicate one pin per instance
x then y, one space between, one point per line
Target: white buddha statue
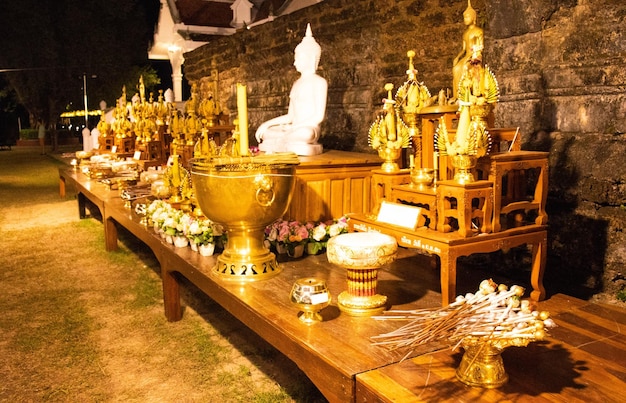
299 130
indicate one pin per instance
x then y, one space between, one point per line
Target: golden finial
411 54
389 88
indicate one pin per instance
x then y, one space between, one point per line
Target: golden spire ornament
410 98
389 134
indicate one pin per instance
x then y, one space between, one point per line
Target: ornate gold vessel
422 178
482 364
362 254
310 295
244 194
390 155
463 165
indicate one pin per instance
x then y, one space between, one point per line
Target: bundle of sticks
494 312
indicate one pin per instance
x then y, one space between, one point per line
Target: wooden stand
499 166
106 143
125 144
430 118
382 183
464 202
425 198
449 246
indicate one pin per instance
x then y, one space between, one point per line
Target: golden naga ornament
389 134
478 93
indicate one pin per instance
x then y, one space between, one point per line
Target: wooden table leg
448 277
171 295
110 234
82 212
541 192
62 186
540 247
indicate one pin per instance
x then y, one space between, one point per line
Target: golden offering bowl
390 155
422 177
244 196
463 165
310 295
362 254
83 155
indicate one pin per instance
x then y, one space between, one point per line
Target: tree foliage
47 47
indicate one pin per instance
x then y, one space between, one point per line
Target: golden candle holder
310 295
483 323
362 254
244 195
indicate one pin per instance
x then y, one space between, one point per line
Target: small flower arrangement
286 235
157 212
177 223
201 232
320 233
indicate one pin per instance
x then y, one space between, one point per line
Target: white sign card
398 214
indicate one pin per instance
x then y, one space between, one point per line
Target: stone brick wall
561 66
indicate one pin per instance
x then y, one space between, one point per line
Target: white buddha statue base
305 149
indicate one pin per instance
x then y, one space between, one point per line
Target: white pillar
176 60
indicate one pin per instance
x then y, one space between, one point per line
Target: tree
47 47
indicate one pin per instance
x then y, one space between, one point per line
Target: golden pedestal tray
362 254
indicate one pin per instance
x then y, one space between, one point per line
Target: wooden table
330 353
582 360
449 246
83 190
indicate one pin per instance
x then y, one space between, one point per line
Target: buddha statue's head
308 50
469 15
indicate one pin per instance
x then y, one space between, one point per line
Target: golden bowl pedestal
362 254
482 365
244 196
390 155
310 295
463 165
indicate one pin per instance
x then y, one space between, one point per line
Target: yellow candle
242 112
175 171
411 161
435 162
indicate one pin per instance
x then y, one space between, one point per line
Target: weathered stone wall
561 65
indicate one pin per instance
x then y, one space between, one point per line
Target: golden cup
390 155
310 295
463 165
